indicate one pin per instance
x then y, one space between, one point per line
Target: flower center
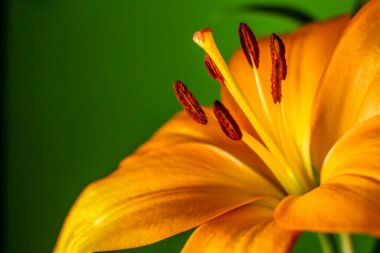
277 147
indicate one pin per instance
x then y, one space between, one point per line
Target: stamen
279 72
227 122
251 51
279 68
206 41
213 70
249 44
189 103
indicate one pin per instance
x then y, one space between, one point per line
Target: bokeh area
88 81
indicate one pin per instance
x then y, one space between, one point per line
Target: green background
87 82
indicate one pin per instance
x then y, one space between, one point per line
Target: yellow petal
347 200
350 88
247 229
159 191
356 153
346 204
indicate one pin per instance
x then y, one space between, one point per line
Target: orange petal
347 200
181 129
350 90
356 153
346 204
308 51
247 229
161 190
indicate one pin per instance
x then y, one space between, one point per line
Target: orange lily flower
308 161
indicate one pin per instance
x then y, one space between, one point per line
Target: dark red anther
189 103
227 122
249 44
213 70
279 68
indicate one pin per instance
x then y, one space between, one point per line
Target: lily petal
347 200
160 191
347 204
181 129
356 153
350 90
247 229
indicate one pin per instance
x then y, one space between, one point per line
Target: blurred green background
88 81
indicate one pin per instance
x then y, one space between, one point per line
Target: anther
279 68
227 122
249 44
189 103
213 70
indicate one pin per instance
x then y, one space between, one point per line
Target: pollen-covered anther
249 44
227 122
189 103
279 68
213 70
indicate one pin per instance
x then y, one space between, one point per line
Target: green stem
327 243
346 243
376 247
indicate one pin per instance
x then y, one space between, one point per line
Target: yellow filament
293 153
288 143
280 170
280 133
263 100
